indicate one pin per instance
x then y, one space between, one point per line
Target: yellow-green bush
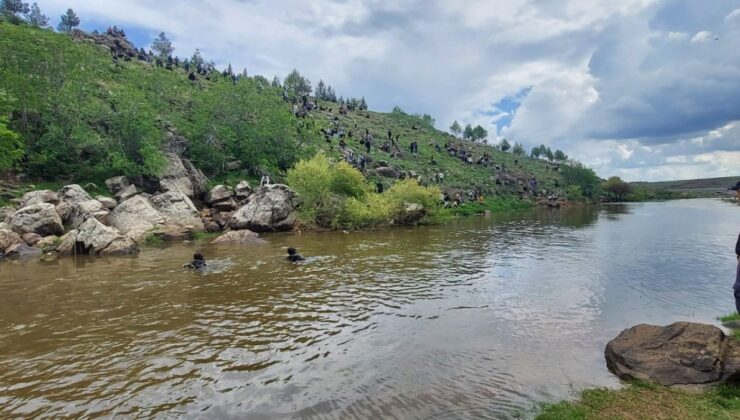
338 196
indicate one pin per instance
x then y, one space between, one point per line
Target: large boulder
77 213
40 196
67 243
218 194
22 251
108 203
181 175
127 192
9 238
48 244
32 239
270 208
682 353
96 239
117 184
242 191
135 216
239 237
73 194
388 172
177 208
39 218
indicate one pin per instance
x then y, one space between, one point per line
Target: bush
338 196
11 147
574 193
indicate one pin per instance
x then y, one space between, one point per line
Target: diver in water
293 255
198 262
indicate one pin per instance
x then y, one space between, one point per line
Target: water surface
481 318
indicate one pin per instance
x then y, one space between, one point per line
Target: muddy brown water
474 319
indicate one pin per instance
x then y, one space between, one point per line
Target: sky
644 89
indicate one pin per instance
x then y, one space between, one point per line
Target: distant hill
707 187
89 108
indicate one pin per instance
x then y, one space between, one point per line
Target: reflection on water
479 318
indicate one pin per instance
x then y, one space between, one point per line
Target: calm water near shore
478 318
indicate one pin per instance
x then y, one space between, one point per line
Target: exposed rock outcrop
117 184
135 216
682 353
177 208
22 251
242 191
218 194
270 208
181 175
239 236
39 218
8 238
108 203
73 194
99 239
39 196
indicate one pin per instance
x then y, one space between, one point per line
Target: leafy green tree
560 156
616 188
11 147
536 152
504 145
397 110
580 176
427 120
548 153
297 85
13 9
479 133
68 21
518 149
36 18
162 46
468 132
456 129
276 82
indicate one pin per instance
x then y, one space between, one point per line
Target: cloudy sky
644 89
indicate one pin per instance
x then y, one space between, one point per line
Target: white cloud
702 36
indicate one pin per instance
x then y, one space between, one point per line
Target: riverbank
641 400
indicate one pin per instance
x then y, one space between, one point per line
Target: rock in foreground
271 208
682 353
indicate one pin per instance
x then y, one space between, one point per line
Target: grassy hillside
83 116
708 187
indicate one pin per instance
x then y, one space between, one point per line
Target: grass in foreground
644 401
731 317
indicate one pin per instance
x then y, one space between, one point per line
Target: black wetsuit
196 264
295 258
736 286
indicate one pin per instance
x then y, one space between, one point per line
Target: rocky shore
171 208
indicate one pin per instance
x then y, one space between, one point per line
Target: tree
11 147
560 156
536 152
548 153
518 149
616 188
197 60
276 81
162 46
68 22
479 133
12 9
296 84
397 110
321 90
504 145
36 18
427 120
363 104
468 132
578 175
456 129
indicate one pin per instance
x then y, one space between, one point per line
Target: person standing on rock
736 286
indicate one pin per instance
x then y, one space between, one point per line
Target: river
479 318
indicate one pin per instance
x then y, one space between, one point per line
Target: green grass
493 204
206 236
641 401
731 317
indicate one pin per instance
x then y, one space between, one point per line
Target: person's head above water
292 251
198 257
736 188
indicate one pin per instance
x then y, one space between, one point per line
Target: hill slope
707 187
85 116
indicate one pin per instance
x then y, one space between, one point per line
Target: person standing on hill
736 286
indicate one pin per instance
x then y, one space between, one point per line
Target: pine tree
518 149
456 129
560 156
480 133
468 132
320 90
330 95
548 153
276 82
504 145
36 18
296 84
536 152
68 22
196 60
12 9
363 104
162 46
